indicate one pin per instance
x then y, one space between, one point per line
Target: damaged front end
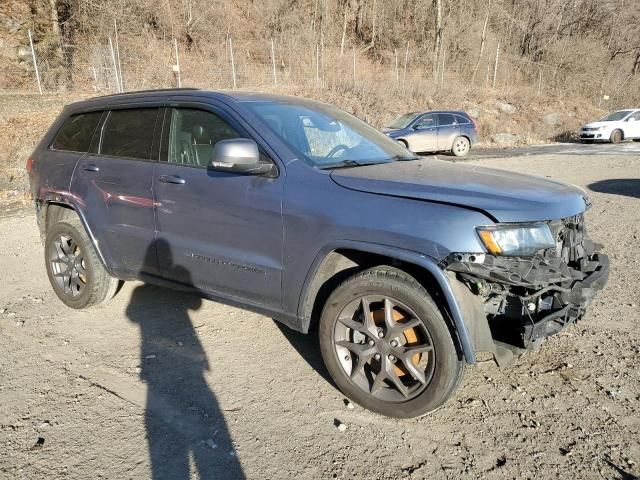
528 298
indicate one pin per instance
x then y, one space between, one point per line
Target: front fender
420 260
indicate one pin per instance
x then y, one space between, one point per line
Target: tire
616 136
461 146
67 246
389 293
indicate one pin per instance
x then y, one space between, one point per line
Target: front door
114 185
632 126
425 135
217 231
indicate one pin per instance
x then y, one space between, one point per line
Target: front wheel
461 146
387 346
76 274
616 136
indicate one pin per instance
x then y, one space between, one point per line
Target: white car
615 127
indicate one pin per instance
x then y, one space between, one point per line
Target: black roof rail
153 90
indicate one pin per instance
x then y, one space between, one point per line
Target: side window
445 119
635 116
462 120
426 121
129 133
193 134
76 133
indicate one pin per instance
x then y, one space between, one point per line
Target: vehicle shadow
629 187
308 348
185 426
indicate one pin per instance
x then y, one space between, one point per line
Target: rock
473 112
506 107
341 427
138 370
211 443
505 139
552 119
350 405
11 314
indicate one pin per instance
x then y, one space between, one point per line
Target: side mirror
239 155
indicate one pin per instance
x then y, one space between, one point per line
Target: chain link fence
122 64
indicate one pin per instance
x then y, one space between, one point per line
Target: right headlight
520 240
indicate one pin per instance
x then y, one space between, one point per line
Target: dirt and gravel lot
159 383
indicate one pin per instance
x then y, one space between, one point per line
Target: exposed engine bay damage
526 299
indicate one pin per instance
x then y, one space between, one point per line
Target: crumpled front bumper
528 299
574 301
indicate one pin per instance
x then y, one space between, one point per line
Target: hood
598 124
388 130
503 195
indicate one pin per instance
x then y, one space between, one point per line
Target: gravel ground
161 384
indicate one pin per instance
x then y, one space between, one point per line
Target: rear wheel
616 136
387 346
76 274
461 146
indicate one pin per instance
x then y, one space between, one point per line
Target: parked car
615 127
406 267
447 131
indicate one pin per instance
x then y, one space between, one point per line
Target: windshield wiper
343 164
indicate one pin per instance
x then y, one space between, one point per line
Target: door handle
91 168
172 179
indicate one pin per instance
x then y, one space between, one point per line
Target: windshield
615 116
403 120
326 136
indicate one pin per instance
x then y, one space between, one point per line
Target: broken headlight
516 240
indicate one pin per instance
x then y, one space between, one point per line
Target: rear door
448 129
217 231
114 184
425 135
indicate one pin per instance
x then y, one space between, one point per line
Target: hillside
528 71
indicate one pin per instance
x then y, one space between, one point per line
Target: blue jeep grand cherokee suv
405 268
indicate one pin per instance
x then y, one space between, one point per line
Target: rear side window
445 119
462 120
129 133
76 133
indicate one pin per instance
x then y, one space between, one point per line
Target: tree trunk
482 39
437 38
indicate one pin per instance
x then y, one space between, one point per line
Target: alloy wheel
68 265
461 146
384 348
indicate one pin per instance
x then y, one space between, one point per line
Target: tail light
473 122
29 166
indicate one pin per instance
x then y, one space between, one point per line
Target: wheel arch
335 264
53 210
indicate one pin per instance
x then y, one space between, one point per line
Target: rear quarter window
76 133
129 133
462 120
